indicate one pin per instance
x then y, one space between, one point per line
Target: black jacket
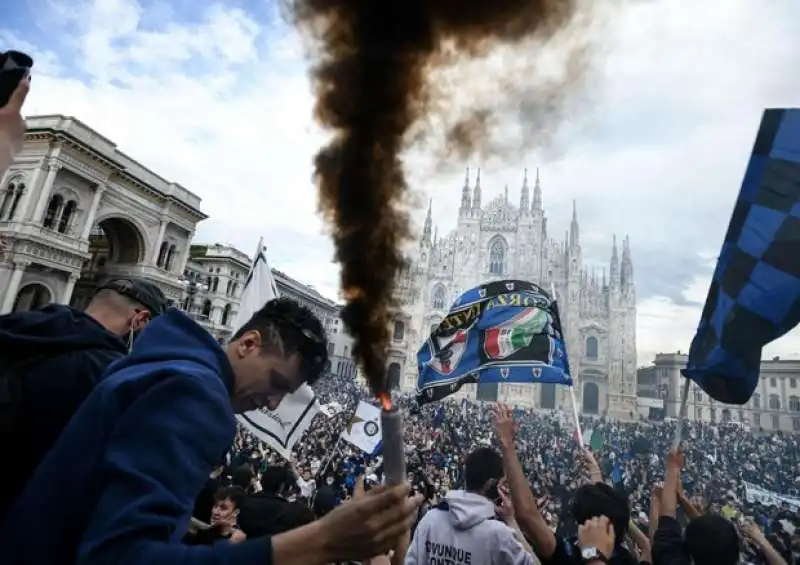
50 360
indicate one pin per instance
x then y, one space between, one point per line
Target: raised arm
530 520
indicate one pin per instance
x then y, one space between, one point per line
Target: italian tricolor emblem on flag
515 334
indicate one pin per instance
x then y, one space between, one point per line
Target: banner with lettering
282 427
500 332
754 494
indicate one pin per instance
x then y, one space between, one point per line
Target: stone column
70 286
13 286
44 196
92 213
185 256
157 248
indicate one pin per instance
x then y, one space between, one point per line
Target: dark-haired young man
120 484
601 512
52 358
708 538
465 528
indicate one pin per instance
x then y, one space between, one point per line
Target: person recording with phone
475 525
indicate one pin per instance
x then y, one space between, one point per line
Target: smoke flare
371 65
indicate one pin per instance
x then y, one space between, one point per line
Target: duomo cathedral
498 240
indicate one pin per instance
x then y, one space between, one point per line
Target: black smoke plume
371 61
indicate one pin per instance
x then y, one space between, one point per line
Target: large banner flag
364 428
500 332
282 427
754 297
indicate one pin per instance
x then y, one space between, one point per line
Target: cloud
215 96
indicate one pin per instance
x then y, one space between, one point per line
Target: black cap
139 290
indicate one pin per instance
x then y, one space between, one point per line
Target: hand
505 510
504 425
598 533
752 532
12 125
369 526
657 490
589 462
358 489
675 459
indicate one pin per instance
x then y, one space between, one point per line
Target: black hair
242 476
599 499
288 327
235 494
482 465
275 480
712 539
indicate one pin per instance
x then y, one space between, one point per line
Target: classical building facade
75 210
213 281
775 405
498 240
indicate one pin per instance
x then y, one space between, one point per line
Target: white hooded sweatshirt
464 532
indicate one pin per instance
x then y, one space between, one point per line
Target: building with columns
75 210
775 405
496 240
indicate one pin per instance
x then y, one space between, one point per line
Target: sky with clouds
216 97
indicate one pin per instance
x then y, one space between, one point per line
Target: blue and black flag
500 332
754 296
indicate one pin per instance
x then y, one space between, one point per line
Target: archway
591 398
32 296
393 376
547 396
114 243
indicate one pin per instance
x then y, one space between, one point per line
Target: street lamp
192 287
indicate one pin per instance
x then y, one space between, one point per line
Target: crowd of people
720 459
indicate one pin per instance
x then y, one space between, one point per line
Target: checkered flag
754 296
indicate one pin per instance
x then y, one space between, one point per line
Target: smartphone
13 66
493 493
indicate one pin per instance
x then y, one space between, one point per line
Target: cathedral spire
524 199
476 195
465 202
426 230
574 229
626 271
614 282
537 195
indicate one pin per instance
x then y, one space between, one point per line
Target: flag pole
575 414
682 413
330 457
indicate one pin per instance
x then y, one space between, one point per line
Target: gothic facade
498 240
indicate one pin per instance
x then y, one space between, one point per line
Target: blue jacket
50 360
120 484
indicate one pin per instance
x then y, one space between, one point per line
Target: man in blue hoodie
51 359
120 484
